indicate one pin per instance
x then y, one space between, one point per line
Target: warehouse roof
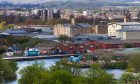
128 23
128 29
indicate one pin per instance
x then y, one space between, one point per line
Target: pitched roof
15 48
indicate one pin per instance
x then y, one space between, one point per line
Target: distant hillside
88 4
74 4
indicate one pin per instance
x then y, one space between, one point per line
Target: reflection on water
49 62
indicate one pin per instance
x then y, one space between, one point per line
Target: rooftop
128 29
78 25
128 23
117 41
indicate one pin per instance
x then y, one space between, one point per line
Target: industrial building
113 27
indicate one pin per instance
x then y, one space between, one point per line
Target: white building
128 33
87 13
112 28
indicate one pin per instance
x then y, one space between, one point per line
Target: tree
134 62
128 78
37 74
51 22
32 74
10 26
7 70
96 75
63 77
2 25
127 45
63 38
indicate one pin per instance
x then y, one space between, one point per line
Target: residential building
12 50
100 29
72 29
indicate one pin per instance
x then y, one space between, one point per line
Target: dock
28 58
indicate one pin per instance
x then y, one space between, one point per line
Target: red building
108 44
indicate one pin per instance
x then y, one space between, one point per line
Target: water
49 62
22 64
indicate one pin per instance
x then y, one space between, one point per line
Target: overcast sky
39 1
25 1
35 0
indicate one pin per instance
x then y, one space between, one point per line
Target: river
49 62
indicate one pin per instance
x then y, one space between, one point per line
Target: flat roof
128 23
128 29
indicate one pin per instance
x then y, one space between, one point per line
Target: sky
41 1
35 1
25 1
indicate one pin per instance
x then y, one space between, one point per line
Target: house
12 50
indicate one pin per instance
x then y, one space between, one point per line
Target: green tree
63 38
32 74
7 70
37 74
10 26
62 65
134 62
128 78
2 25
63 77
127 45
96 75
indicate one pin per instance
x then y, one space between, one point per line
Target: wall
132 35
112 29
